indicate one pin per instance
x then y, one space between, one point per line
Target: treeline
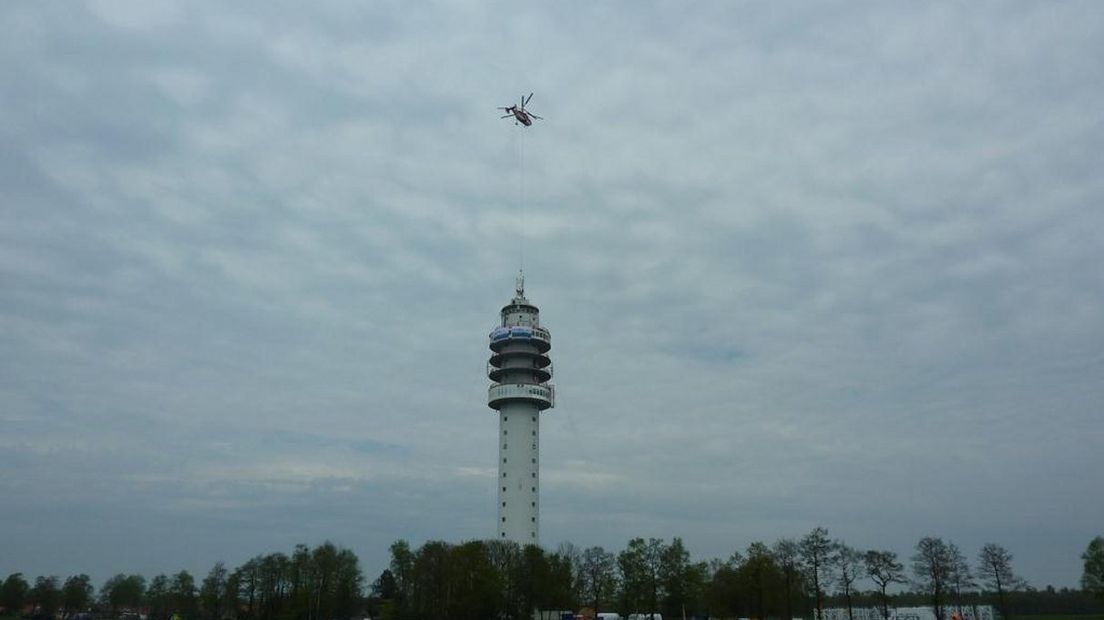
792 577
1030 601
323 583
498 579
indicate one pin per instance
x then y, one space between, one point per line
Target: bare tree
816 552
883 569
848 565
932 566
962 578
995 569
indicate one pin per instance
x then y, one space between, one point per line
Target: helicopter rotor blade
526 100
507 116
540 118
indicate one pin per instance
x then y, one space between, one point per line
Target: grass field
1069 617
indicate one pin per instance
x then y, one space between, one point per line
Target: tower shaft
519 473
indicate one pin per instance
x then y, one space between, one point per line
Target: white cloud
787 256
145 15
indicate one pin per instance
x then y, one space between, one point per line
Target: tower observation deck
519 369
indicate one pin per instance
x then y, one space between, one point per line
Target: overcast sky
803 263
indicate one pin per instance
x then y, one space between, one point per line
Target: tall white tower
519 369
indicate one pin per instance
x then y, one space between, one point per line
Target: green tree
385 587
232 596
324 582
381 596
696 581
272 585
883 569
526 575
300 569
816 551
429 594
158 599
123 592
678 580
348 585
630 567
402 567
46 595
183 595
14 593
248 577
787 558
334 582
212 594
639 565
505 557
760 580
472 583
1092 576
556 576
76 593
933 567
723 595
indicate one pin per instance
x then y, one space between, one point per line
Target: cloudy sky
804 264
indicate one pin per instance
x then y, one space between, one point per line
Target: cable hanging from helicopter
524 117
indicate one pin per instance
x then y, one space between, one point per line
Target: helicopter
520 114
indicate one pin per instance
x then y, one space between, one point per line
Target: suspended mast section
520 370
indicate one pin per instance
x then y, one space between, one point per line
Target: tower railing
540 393
492 368
512 334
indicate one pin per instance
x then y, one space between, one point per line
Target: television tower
519 370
